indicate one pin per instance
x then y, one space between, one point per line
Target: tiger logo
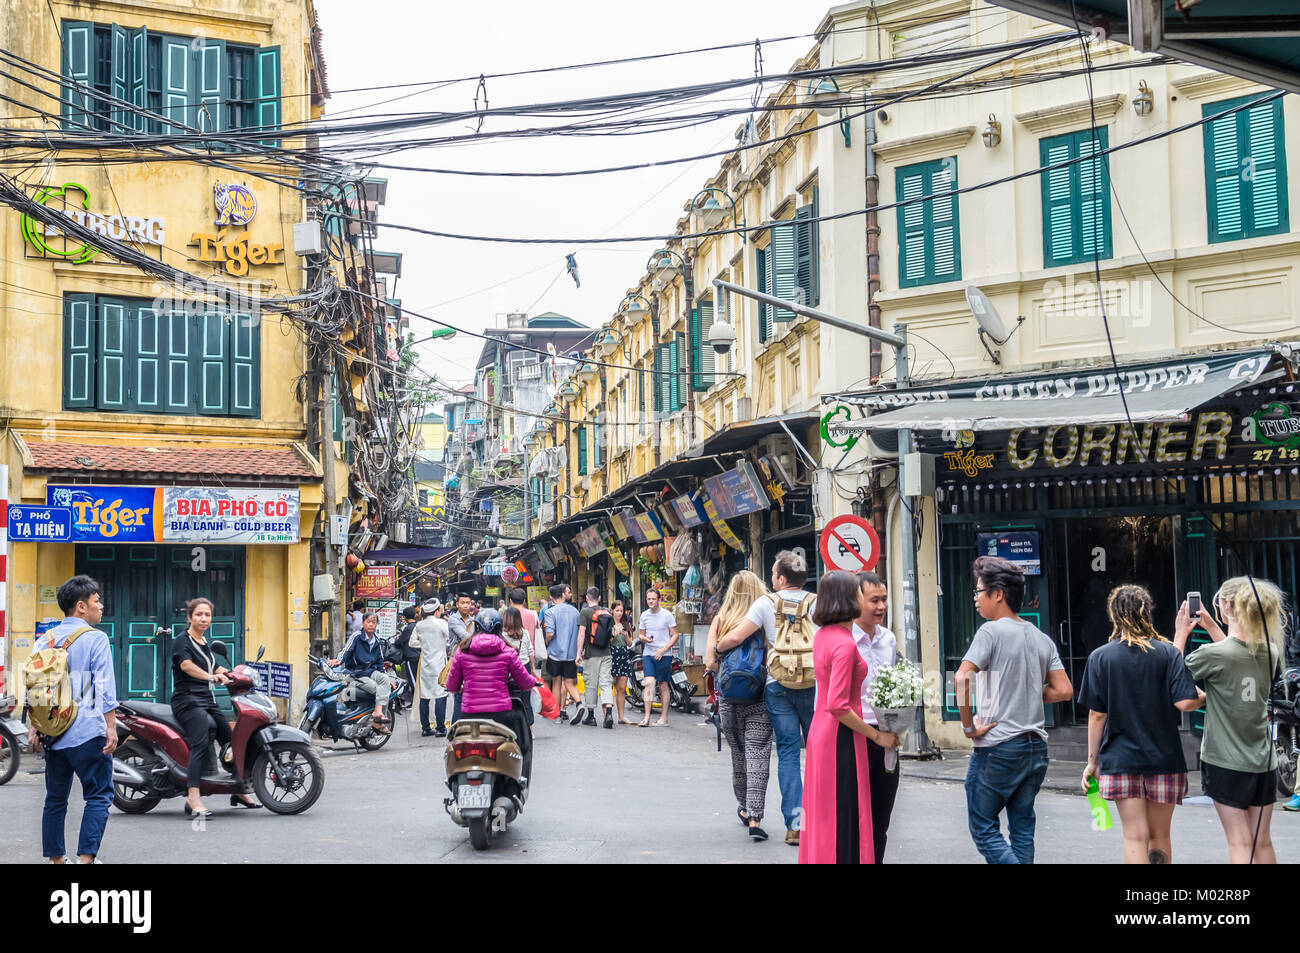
235 204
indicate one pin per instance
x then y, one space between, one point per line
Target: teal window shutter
677 389
79 347
704 356
816 255
640 391
765 286
179 83
114 355
268 91
929 238
582 450
182 366
212 77
148 375
78 62
598 433
1076 199
803 252
212 346
138 93
245 348
1245 171
783 266
120 78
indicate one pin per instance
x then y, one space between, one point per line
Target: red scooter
274 761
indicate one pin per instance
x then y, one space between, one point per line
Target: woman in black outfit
195 673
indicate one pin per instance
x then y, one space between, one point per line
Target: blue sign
45 524
689 510
272 677
1020 548
736 492
110 514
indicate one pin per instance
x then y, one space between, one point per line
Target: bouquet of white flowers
895 693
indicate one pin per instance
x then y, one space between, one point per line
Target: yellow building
163 428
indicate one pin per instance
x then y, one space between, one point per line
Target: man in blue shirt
561 626
86 748
364 659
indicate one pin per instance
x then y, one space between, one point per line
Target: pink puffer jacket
480 672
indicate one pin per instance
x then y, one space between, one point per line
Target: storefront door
145 588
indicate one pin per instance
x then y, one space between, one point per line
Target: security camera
721 336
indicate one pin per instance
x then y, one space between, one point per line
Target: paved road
627 795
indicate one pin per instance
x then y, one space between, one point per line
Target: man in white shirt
879 649
791 709
657 630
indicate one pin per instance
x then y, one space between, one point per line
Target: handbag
442 676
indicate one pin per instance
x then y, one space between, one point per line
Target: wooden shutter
703 355
181 373
138 43
1058 202
78 65
783 267
1094 198
765 286
1269 211
803 254
910 184
945 237
79 348
267 105
148 329
212 341
114 355
179 83
120 73
213 80
1245 171
816 253
679 381
582 450
245 370
665 383
598 433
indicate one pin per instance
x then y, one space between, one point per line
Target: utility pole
325 434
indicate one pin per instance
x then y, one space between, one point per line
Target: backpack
601 629
742 674
49 688
790 658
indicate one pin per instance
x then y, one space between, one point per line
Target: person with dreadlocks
1134 687
1238 763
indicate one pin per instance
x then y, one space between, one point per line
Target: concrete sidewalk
1062 776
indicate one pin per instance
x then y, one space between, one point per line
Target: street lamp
634 307
711 214
663 266
825 96
610 340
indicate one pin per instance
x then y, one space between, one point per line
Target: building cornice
929 144
1065 117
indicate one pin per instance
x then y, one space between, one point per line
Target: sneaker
440 732
426 732
51 860
792 838
609 718
1293 804
577 717
590 721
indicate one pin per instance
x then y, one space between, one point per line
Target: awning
1149 392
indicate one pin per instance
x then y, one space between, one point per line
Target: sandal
643 724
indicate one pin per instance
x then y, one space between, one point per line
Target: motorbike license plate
474 796
679 679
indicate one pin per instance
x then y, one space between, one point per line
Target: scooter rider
482 670
364 661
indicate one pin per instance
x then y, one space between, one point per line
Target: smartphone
1193 604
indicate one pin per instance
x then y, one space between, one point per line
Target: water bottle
1100 810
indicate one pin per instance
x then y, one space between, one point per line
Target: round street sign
849 543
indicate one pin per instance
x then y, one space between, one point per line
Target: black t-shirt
186 686
1137 690
585 618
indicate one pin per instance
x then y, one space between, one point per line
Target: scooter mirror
261 650
220 649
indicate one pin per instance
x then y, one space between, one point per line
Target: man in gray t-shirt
1019 670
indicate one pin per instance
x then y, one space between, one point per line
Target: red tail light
476 749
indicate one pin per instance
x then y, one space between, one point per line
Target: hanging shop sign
235 204
615 554
1242 432
737 491
720 526
689 510
377 582
646 528
589 542
543 557
619 522
536 596
178 514
48 241
1020 547
234 250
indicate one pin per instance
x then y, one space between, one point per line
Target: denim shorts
661 670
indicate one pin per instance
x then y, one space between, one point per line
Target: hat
432 606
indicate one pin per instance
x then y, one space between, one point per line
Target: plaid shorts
1157 788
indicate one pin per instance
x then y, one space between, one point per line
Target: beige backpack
790 657
49 687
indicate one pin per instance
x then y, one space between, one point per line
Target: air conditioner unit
781 449
586 483
565 507
883 444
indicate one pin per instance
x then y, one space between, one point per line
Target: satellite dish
990 322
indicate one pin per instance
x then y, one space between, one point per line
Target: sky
473 284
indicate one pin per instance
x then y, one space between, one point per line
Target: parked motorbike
487 774
13 739
275 762
681 691
1284 723
329 715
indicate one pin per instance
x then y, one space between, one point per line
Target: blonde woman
1237 668
1134 688
748 727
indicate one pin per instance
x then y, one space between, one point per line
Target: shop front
1203 484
